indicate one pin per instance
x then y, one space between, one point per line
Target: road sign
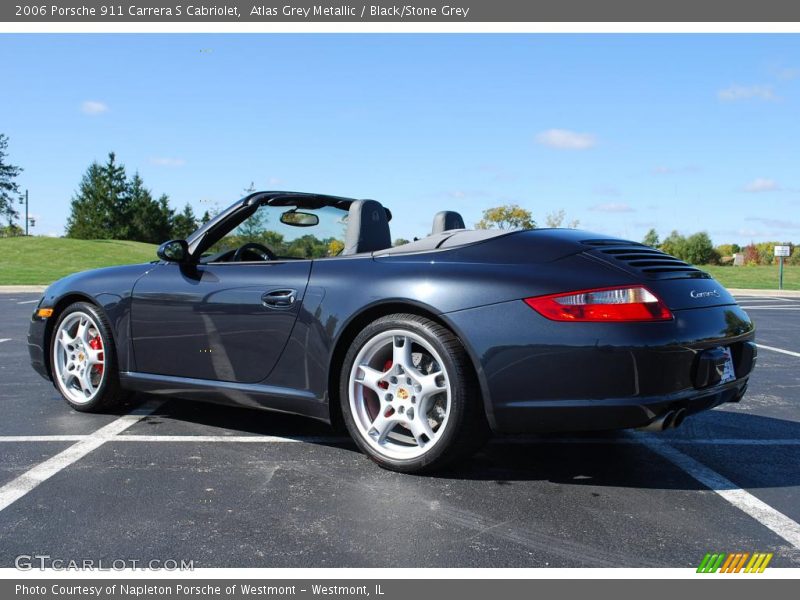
783 250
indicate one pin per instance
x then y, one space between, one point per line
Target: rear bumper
539 375
606 414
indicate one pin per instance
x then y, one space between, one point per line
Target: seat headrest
446 221
367 228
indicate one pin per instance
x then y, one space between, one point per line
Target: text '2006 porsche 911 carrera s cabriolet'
299 303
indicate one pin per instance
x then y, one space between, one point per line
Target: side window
264 227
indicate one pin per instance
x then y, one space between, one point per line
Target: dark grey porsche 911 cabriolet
299 303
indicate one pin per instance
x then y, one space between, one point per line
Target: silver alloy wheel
78 358
400 394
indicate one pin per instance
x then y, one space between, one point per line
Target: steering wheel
255 248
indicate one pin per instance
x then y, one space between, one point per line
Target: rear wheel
83 360
408 395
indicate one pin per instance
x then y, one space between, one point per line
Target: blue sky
623 132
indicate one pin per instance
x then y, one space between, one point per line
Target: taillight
602 305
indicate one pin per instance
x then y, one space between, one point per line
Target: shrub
750 254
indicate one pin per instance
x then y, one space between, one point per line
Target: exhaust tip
661 422
677 418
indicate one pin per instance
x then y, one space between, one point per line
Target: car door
223 321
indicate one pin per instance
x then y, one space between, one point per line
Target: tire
409 396
83 360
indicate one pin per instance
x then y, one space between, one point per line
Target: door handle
279 298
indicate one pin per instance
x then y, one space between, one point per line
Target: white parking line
511 440
258 439
781 350
28 301
744 306
776 298
744 501
633 440
17 488
42 438
769 517
4 340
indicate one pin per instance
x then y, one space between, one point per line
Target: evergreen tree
9 189
100 209
149 220
253 226
183 224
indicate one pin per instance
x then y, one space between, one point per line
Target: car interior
366 230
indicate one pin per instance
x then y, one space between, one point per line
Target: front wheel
408 394
83 361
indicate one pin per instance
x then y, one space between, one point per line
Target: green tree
699 250
397 242
674 244
651 239
184 223
9 188
205 218
509 216
149 220
727 249
253 226
100 209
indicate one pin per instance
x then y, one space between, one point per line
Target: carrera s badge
709 294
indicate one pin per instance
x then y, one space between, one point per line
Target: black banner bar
732 588
457 11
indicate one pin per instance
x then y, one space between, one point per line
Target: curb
22 289
763 293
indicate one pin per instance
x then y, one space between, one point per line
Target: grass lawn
761 278
42 260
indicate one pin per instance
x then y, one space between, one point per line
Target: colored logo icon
739 562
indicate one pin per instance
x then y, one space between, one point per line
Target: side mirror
176 251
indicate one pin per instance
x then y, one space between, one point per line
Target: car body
204 331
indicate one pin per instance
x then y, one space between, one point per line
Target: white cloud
606 190
564 139
167 161
747 92
94 107
776 223
665 170
465 194
497 173
762 185
787 73
613 207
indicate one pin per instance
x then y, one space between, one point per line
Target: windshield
264 227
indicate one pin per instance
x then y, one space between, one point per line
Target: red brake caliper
97 344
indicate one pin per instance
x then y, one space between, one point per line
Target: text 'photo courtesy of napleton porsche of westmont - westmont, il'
289 311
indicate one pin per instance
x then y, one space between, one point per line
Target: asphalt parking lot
235 488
